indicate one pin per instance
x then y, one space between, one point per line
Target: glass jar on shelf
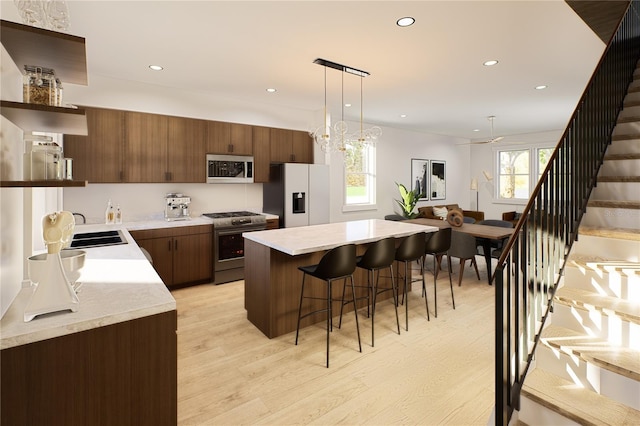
39 86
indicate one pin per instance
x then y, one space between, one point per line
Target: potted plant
408 201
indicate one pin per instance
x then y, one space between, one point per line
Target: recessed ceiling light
347 105
156 67
407 21
541 87
490 63
476 130
271 90
403 115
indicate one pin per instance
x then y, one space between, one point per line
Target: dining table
486 233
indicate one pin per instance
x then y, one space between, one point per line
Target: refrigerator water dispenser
298 202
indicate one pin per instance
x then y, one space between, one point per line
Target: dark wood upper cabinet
302 147
146 147
98 157
261 154
138 147
229 138
186 153
290 146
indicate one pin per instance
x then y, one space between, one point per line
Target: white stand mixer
53 292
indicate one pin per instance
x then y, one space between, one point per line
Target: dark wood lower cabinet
181 255
120 374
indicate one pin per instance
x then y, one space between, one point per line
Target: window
360 177
519 170
543 159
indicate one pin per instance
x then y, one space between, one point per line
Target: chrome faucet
84 219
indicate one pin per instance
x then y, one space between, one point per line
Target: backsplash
145 201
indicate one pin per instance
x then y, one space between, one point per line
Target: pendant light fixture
338 141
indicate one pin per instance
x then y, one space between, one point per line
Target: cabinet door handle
167 176
230 147
169 245
175 245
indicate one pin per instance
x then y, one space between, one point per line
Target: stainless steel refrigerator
297 193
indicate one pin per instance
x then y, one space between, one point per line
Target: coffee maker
176 207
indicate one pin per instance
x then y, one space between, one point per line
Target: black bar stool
438 245
337 263
410 250
379 255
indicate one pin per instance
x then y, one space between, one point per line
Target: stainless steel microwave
229 169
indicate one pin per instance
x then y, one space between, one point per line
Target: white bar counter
272 257
310 239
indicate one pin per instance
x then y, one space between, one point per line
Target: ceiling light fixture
490 63
156 67
338 142
407 21
271 90
403 115
541 87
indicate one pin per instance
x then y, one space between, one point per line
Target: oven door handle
238 229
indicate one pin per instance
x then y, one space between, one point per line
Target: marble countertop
155 223
309 239
118 284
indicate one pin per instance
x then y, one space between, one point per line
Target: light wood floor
439 372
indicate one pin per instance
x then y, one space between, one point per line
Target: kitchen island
114 361
272 257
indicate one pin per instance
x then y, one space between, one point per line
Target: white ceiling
432 71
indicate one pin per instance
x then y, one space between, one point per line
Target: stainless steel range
228 244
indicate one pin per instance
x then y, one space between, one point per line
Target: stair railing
532 261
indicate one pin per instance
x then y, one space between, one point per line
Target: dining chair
337 263
378 256
463 247
438 246
496 246
411 249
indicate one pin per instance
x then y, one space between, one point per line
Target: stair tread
602 264
608 305
626 137
618 178
621 360
575 402
621 204
615 157
618 233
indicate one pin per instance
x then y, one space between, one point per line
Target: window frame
534 169
371 180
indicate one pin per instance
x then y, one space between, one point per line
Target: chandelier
340 138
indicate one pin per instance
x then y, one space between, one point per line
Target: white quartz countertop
310 239
161 223
118 284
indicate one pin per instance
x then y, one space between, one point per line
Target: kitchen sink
98 239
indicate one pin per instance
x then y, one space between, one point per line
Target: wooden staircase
587 365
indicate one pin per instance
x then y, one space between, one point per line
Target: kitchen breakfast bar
272 257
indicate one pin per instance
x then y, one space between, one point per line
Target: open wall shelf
42 183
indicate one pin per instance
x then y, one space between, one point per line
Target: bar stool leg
300 307
405 297
394 290
374 292
328 316
355 311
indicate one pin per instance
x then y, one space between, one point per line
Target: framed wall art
438 177
420 177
